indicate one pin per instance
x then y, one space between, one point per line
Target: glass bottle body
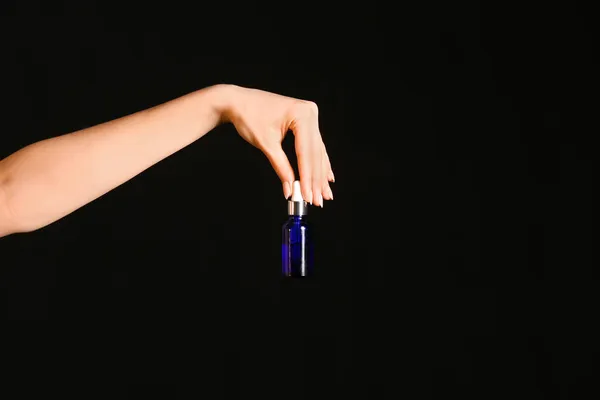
297 248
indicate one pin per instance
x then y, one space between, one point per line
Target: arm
47 180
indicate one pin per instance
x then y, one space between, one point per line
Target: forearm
45 181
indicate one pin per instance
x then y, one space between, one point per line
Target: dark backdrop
454 261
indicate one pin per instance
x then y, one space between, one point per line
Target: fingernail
330 193
287 189
310 198
321 200
331 176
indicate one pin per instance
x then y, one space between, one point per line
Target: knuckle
312 107
305 108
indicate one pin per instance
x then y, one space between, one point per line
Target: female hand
263 119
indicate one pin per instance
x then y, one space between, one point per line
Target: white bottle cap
296 204
296 192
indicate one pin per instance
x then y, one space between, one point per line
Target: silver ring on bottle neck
297 208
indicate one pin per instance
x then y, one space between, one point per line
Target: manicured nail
331 176
330 193
287 189
321 200
310 198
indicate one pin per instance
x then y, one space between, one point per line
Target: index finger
303 145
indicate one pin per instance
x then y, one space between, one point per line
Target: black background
455 260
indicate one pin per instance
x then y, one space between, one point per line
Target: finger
282 167
302 143
316 163
330 176
327 192
319 174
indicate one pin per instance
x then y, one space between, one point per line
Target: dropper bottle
297 247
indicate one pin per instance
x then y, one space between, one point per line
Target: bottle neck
297 208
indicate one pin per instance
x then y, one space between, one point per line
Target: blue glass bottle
297 246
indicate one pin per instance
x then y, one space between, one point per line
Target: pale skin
50 179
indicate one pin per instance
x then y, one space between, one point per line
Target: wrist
224 96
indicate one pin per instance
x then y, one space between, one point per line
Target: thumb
283 168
